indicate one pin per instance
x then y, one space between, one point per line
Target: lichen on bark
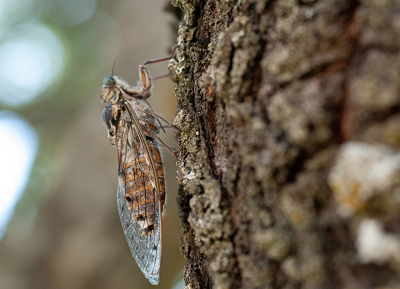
271 94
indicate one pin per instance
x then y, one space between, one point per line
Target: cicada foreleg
144 75
142 91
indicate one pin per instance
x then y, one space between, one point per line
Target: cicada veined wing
141 195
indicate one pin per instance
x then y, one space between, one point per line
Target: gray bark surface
288 117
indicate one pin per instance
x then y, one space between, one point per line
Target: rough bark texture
288 117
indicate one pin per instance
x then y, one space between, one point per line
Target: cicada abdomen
140 186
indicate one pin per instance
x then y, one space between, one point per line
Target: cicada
132 129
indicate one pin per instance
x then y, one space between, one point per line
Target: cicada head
110 92
109 81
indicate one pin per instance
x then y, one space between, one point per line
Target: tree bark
288 118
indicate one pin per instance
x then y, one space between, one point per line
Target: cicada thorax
144 184
111 111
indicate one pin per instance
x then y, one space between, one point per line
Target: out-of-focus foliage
65 231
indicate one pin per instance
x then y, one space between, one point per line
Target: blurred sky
53 148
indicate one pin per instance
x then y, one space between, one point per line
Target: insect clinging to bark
132 129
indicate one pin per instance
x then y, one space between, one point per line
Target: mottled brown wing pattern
141 196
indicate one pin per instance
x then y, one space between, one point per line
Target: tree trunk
288 117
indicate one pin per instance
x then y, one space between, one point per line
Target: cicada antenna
115 60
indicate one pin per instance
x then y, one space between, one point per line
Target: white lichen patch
190 176
374 245
360 172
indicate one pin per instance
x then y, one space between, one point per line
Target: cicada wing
139 205
146 249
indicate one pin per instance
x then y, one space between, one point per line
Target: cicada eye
108 81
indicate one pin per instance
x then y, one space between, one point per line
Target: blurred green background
59 225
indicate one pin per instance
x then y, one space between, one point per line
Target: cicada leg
156 115
144 75
148 131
